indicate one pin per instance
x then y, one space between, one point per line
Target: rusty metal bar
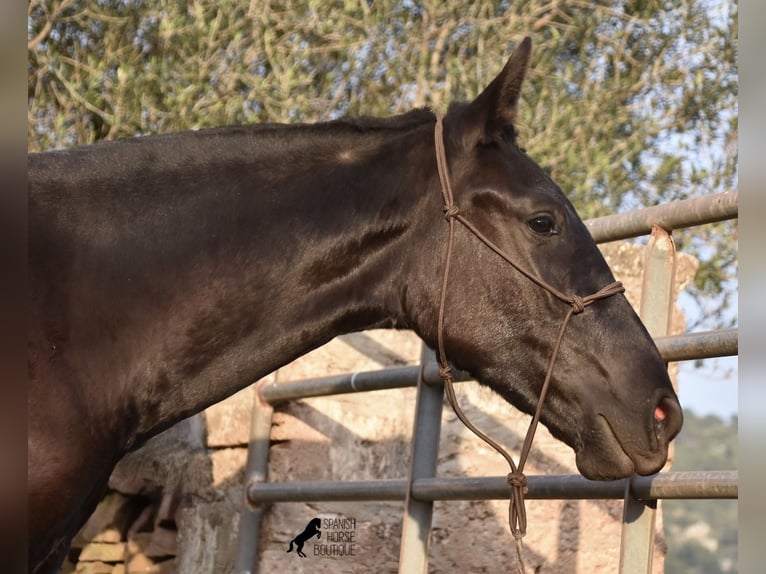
671 485
676 215
719 484
657 290
705 345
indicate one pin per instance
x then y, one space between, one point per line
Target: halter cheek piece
577 304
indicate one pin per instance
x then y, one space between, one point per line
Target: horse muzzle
616 447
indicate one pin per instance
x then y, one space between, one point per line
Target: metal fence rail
422 487
719 484
676 215
685 347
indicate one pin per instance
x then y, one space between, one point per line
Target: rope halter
517 480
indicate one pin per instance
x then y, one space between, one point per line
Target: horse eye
542 225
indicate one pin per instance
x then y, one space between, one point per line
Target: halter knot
517 479
578 304
445 372
451 211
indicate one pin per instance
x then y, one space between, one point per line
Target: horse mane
264 143
405 121
334 133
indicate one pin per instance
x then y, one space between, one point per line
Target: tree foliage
628 103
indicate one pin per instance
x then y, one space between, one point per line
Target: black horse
168 272
311 530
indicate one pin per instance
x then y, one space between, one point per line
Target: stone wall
174 505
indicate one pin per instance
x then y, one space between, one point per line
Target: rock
166 513
110 535
110 515
137 543
103 552
228 422
162 544
94 568
140 563
161 464
228 466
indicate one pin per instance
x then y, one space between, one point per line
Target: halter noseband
577 304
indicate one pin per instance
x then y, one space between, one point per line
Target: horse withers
168 272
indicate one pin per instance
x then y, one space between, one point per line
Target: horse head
610 397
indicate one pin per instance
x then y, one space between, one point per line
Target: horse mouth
602 456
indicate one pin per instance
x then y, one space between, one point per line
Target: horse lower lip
619 466
604 458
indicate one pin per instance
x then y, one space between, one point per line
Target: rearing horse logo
311 530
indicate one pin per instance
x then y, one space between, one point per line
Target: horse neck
249 249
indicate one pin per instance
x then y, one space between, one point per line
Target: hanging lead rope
517 480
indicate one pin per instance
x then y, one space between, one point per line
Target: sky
711 389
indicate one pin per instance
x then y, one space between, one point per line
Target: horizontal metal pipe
389 378
703 484
674 215
719 484
675 348
690 346
707 484
324 491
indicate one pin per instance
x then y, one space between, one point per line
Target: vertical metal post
418 514
639 518
257 470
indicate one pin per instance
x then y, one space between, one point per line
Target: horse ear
494 110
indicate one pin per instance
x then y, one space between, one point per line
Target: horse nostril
659 426
667 418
